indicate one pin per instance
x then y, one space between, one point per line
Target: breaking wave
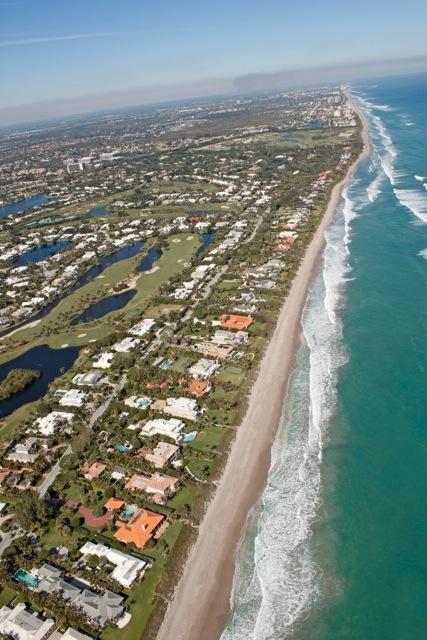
413 200
278 579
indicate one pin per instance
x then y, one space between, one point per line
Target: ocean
337 546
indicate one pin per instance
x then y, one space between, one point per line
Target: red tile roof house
94 470
158 486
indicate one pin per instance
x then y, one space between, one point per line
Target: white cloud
75 36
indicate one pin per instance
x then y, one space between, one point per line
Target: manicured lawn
230 373
208 439
186 495
6 595
53 538
200 466
11 422
219 393
182 364
223 416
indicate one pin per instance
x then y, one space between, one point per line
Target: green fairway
54 329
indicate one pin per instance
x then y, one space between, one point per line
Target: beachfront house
182 407
158 486
140 529
126 569
171 428
204 369
163 454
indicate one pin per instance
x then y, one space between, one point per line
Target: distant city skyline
65 58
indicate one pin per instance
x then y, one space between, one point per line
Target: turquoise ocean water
337 547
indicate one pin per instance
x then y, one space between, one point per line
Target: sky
68 56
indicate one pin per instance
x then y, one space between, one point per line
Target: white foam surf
414 200
279 580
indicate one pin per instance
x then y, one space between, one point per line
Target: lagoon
50 362
23 205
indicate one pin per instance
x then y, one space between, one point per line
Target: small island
17 380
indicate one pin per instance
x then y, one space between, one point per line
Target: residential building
142 327
203 369
27 451
230 338
94 470
72 634
127 568
240 323
171 428
140 528
198 387
54 421
126 345
101 609
89 379
114 504
182 407
104 360
135 402
21 623
214 350
162 455
159 486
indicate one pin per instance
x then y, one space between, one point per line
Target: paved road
254 231
213 282
52 475
56 469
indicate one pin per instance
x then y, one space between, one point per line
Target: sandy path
201 604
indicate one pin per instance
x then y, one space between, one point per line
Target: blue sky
70 51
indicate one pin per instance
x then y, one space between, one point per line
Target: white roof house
53 421
73 634
91 378
142 327
182 407
138 402
25 451
22 624
204 368
73 398
104 360
127 568
230 338
126 345
172 428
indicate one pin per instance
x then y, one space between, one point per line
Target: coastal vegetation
17 380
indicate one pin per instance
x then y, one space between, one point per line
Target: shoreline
208 574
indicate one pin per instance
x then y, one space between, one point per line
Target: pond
50 362
148 260
23 205
129 251
207 239
117 301
100 211
102 307
41 253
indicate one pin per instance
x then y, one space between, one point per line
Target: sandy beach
201 605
